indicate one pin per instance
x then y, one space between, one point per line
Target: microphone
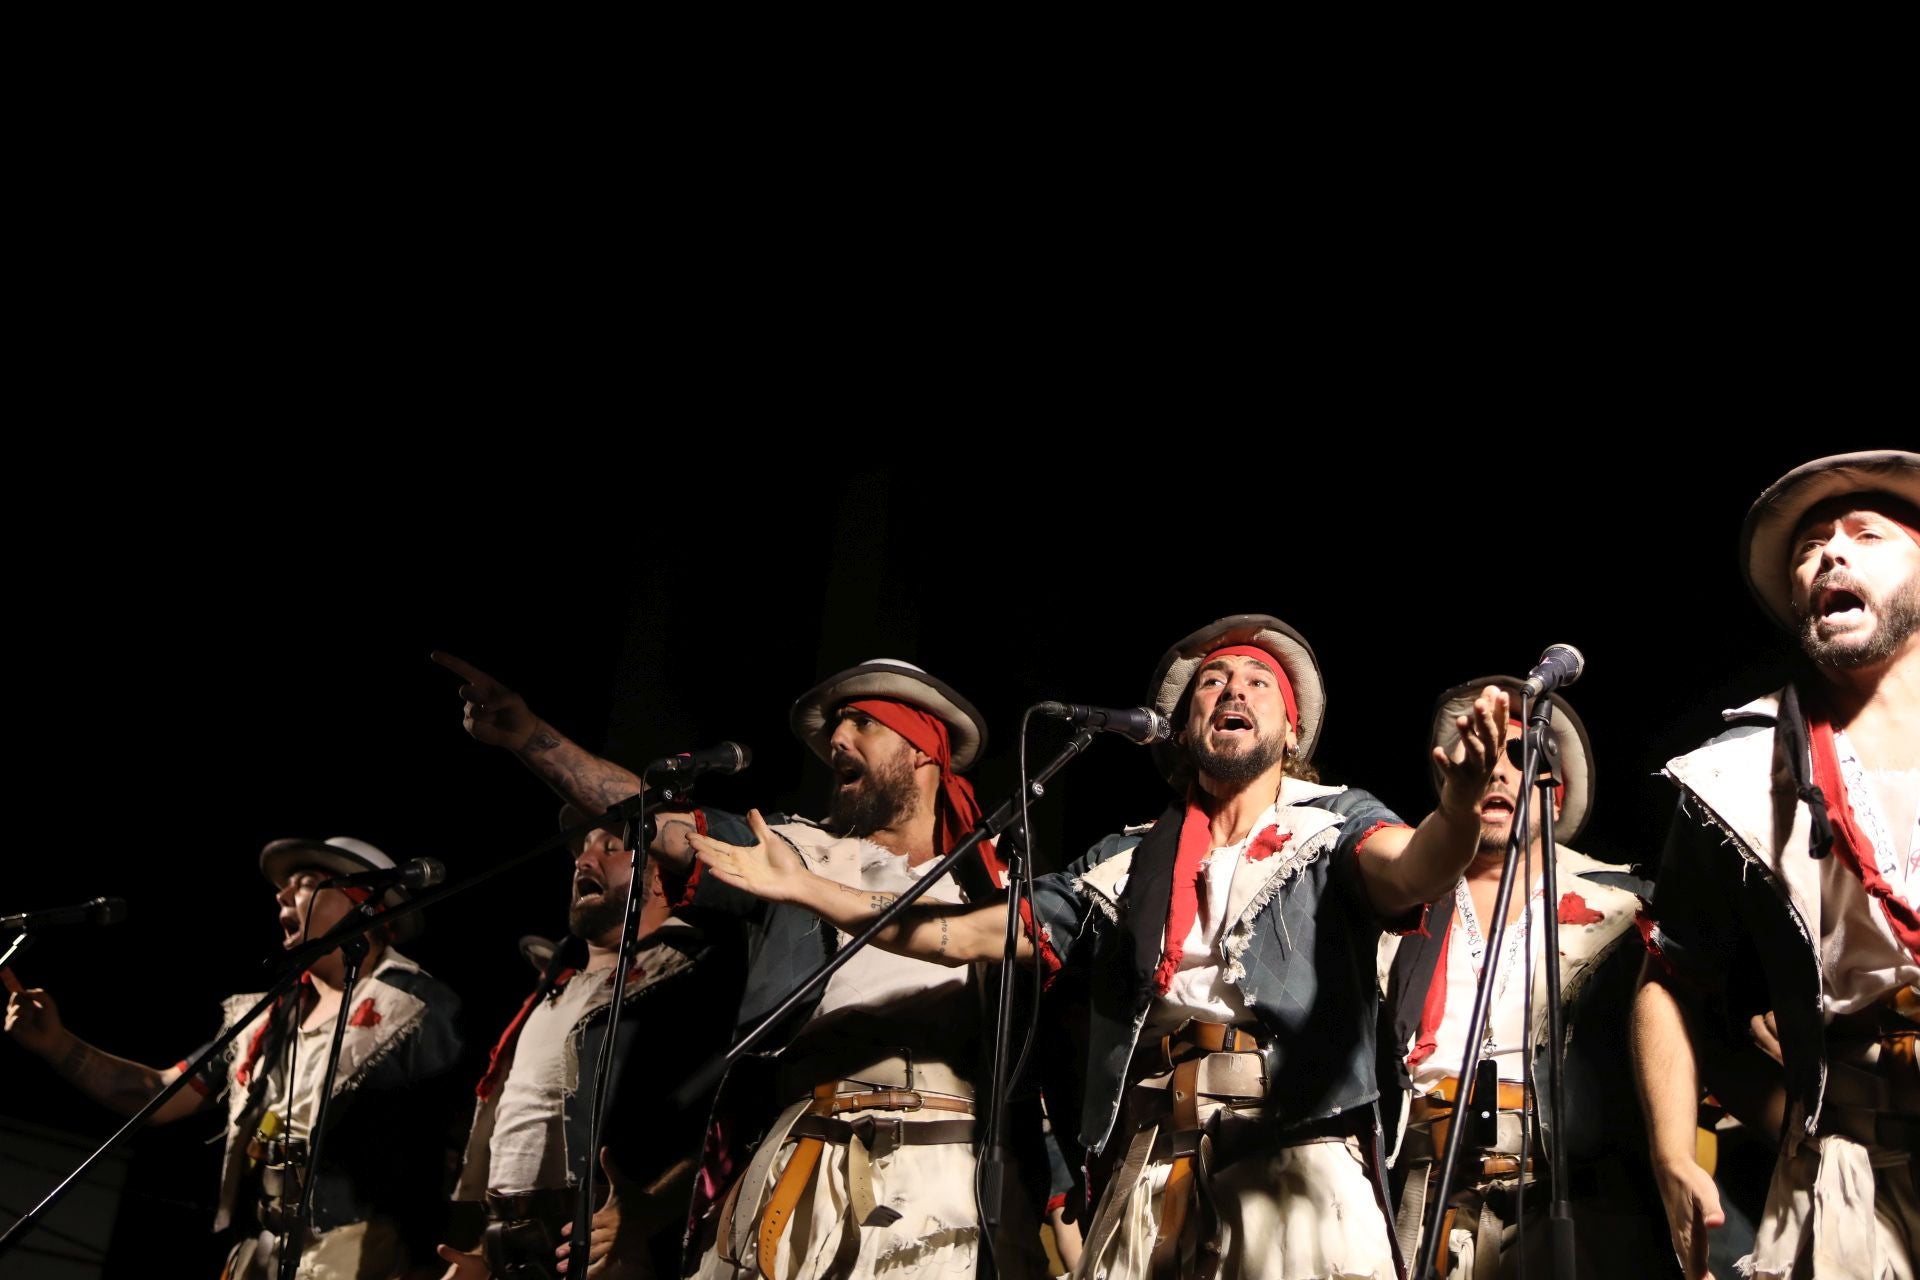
92 911
419 873
1135 724
727 757
1558 667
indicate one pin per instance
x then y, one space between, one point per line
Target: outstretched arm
33 1020
770 869
1666 1075
1403 869
499 717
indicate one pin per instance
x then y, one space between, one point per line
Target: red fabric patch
1574 910
1056 1202
1373 830
1267 843
1645 924
366 1015
1048 956
194 1083
1418 926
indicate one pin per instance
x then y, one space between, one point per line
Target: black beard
589 920
1239 768
884 798
1899 618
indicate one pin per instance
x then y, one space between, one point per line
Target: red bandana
957 811
1271 663
1855 851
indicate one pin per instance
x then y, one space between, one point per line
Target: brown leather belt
869 1136
1199 1060
1432 1113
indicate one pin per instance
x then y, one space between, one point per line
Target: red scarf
1855 850
1196 841
956 811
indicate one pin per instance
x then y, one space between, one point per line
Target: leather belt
1198 1064
866 1138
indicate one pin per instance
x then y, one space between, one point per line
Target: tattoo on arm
73 1063
943 935
540 741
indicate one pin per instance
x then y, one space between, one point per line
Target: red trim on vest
1433 1009
1041 941
497 1060
194 1082
366 1015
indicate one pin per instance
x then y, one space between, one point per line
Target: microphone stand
1538 742
293 1241
632 814
296 962
989 827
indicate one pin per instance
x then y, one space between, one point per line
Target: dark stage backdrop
220 665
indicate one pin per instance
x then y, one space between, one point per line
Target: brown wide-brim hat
1775 514
342 855
812 717
1576 751
1169 687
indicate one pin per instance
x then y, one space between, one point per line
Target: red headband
958 811
1271 663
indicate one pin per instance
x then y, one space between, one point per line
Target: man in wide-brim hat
888 1039
1230 946
376 1201
1787 894
1433 976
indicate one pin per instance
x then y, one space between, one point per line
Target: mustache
1837 579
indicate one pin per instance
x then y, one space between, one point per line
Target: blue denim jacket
1300 951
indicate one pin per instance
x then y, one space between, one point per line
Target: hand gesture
462 1266
768 868
495 714
1483 738
609 1255
33 1019
1693 1208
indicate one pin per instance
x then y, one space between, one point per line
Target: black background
212 649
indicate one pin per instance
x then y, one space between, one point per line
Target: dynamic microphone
1558 667
727 757
1135 724
419 873
92 911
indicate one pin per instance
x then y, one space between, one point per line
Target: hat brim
1569 734
811 718
281 858
1168 688
1775 514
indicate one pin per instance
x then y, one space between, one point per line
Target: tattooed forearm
943 935
540 741
73 1063
122 1085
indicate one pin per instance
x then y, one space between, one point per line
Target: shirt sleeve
1062 910
1365 816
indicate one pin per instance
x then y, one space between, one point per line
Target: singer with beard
1230 953
527 1152
380 1197
1431 980
860 1126
1790 884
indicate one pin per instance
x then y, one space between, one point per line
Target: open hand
768 868
1483 737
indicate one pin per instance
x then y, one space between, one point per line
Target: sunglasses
1514 751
